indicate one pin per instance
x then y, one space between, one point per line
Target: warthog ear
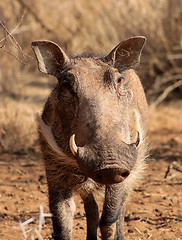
51 58
127 53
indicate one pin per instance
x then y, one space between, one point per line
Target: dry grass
79 26
17 127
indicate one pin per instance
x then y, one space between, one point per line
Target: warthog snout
110 174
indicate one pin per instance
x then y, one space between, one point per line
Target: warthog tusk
73 146
138 141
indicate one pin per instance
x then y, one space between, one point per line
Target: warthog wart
92 134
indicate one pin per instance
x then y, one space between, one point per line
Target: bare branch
4 49
166 92
13 40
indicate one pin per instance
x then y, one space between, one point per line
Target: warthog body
92 134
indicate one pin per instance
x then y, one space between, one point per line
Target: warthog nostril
110 175
99 176
125 174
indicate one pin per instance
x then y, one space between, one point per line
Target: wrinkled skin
102 102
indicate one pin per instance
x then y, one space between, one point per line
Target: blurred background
81 26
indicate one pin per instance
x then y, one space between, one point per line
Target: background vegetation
77 26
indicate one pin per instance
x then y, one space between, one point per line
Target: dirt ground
154 210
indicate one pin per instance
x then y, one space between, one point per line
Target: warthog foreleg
92 215
62 207
112 219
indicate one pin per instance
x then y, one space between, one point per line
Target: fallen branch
26 228
172 166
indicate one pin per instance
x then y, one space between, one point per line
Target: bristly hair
88 55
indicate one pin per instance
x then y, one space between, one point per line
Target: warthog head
95 111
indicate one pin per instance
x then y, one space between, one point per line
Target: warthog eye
67 84
66 79
119 80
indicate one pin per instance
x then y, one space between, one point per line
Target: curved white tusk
73 146
139 139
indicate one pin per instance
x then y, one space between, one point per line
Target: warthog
92 134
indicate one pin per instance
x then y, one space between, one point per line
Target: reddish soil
154 210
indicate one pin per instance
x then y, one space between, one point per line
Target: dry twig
25 228
13 40
172 166
166 92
